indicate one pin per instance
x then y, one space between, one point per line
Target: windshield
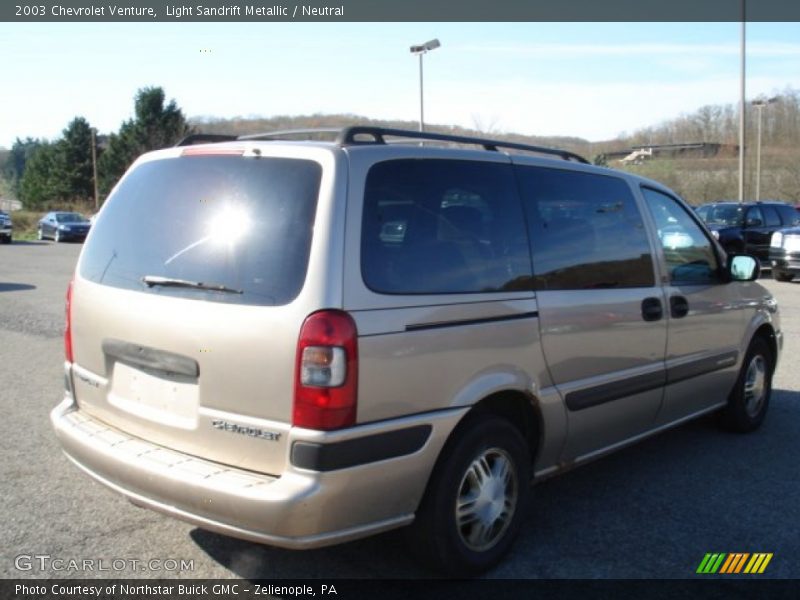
234 222
729 216
69 218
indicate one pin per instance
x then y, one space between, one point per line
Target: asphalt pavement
652 510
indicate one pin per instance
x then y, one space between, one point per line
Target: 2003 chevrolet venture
306 342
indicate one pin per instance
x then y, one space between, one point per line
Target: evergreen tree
43 179
18 157
154 126
76 149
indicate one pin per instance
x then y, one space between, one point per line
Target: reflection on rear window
242 223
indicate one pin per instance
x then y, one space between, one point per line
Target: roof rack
205 138
354 136
349 136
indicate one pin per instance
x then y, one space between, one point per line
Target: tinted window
586 231
443 226
69 218
725 215
244 223
755 218
689 254
789 215
702 212
771 218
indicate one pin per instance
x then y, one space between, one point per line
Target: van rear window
241 226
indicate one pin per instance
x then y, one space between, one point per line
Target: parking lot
650 511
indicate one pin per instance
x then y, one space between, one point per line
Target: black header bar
394 10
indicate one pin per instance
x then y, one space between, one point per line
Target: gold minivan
304 342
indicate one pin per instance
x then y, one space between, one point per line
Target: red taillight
68 325
326 372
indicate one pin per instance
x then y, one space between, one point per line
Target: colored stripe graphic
758 563
733 563
710 563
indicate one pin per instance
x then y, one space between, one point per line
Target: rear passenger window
586 231
789 215
442 227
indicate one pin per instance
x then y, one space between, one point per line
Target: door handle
678 307
652 309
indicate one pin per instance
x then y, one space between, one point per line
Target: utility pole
94 171
760 104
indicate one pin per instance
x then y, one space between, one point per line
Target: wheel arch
766 331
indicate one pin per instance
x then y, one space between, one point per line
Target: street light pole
421 102
760 104
421 49
741 105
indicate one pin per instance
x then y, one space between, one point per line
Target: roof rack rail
289 132
205 138
349 136
353 135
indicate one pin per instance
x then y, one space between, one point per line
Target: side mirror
754 223
742 267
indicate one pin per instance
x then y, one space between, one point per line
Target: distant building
639 154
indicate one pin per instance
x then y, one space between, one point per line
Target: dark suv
5 228
746 228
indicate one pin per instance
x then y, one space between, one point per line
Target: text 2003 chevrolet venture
306 342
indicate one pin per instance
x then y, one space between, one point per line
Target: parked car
784 254
393 335
63 226
6 228
747 227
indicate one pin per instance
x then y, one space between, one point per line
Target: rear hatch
188 301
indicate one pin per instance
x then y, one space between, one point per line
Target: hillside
245 125
698 179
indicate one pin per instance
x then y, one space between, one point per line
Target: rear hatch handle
151 358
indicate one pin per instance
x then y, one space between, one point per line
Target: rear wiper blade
152 280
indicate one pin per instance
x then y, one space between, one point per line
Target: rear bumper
301 508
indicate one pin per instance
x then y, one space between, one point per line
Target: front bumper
73 235
299 509
788 262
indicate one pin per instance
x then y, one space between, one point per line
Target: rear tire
749 399
782 276
476 497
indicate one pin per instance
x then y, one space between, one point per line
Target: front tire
57 237
39 234
749 399
476 497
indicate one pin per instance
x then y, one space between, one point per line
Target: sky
589 80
